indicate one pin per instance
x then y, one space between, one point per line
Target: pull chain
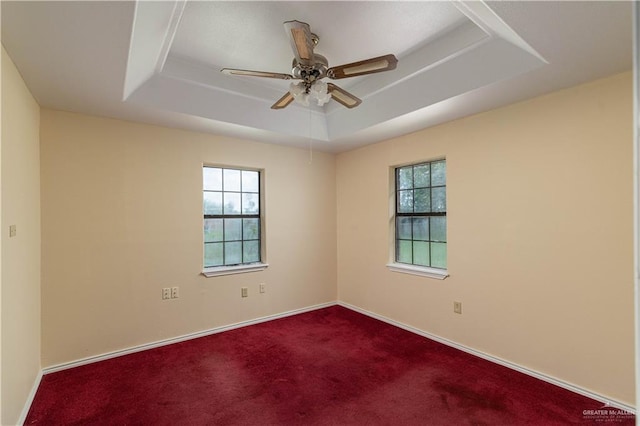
310 140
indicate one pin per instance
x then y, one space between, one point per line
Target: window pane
405 201
439 228
405 252
439 202
421 176
405 177
422 202
421 253
231 180
231 203
212 203
250 181
233 253
421 193
251 230
232 229
212 254
212 230
404 228
421 228
439 255
250 203
231 240
438 173
212 179
251 251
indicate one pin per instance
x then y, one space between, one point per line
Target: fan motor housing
309 74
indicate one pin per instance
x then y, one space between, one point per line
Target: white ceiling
159 62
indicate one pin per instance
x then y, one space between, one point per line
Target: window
232 220
421 218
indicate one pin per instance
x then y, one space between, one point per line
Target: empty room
317 213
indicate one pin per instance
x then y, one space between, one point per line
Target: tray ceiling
159 62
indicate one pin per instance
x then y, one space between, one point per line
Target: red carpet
327 367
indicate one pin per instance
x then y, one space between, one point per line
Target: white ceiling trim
490 22
151 24
479 52
176 17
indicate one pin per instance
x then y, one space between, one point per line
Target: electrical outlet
12 230
457 307
245 292
166 293
174 292
262 287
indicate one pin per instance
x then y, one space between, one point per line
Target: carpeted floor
327 367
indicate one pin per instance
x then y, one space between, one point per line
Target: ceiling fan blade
283 101
368 66
231 71
301 41
342 96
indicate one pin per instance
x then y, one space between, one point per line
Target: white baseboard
159 343
571 387
30 397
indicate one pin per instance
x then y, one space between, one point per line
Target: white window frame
215 271
405 268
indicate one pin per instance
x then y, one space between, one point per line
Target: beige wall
20 179
539 229
122 218
540 235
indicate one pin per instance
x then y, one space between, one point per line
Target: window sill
228 270
423 271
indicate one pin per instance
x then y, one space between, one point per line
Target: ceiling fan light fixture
317 92
320 92
299 93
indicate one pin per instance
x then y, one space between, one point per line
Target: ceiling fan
310 68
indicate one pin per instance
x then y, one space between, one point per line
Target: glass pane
439 228
421 176
421 228
438 173
250 203
405 177
212 230
232 229
212 203
421 253
405 252
250 181
422 202
233 253
439 255
212 179
251 230
404 228
405 201
231 203
439 203
231 180
251 251
212 254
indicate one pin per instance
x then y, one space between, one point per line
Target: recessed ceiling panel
250 35
427 37
160 61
